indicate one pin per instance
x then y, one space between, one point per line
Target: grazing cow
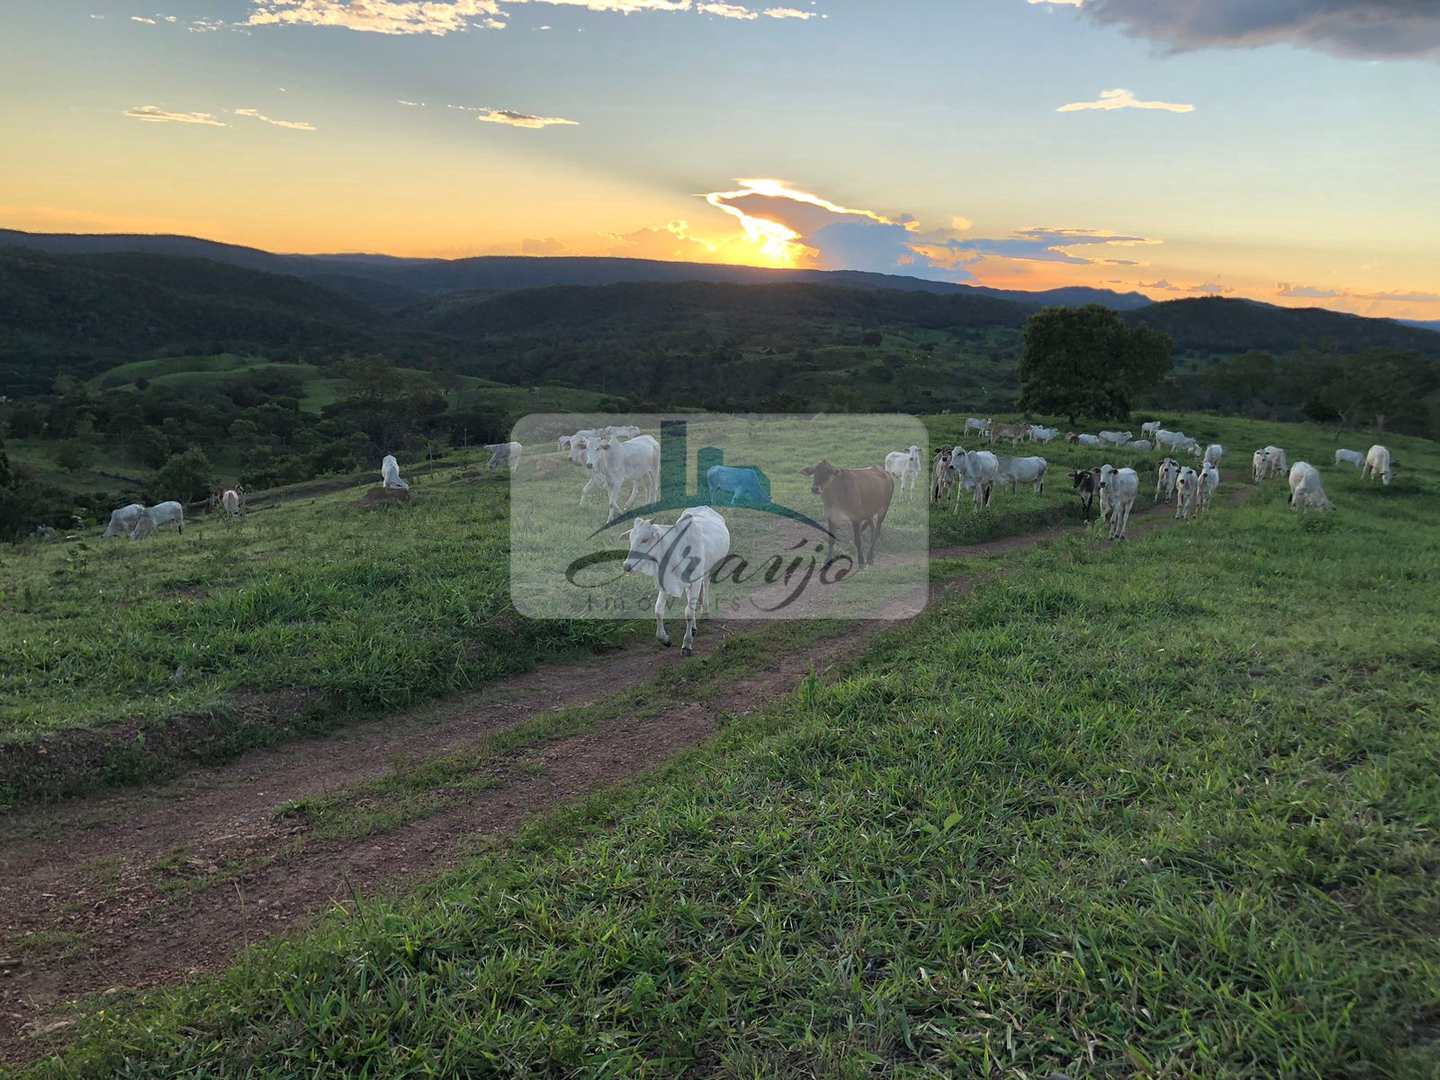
742 484
622 431
232 502
1277 463
1042 434
152 517
680 557
904 466
1209 484
1014 433
1306 490
1165 481
1150 427
1213 453
390 474
1116 438
1174 441
1187 492
857 497
1350 457
940 474
1377 463
637 461
1024 470
1140 445
123 520
981 427
1118 488
1085 483
975 470
504 453
1089 440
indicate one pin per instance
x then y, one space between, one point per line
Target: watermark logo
757 516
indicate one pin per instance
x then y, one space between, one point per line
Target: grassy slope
1169 808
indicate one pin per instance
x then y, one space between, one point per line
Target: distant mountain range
1421 324
392 281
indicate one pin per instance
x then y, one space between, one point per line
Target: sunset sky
1286 150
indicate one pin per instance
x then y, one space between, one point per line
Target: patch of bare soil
132 889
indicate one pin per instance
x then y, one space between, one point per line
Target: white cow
976 470
1350 457
580 442
390 474
1306 490
904 466
1259 465
1118 488
1377 463
972 424
505 453
637 461
680 557
1174 441
1089 440
123 520
1042 434
1209 484
1165 482
1277 462
152 517
940 474
622 431
1023 470
1150 427
1116 438
1187 492
231 502
1213 453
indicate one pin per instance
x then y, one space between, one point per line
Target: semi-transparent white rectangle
787 557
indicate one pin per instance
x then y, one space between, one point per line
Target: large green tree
1088 361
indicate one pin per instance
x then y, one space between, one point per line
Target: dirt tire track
88 868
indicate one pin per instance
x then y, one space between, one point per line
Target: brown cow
858 497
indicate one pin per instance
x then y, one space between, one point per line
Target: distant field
1169 808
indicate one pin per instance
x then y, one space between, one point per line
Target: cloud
293 125
411 104
1050 244
548 246
142 19
673 243
1369 29
440 17
1123 99
1208 288
1305 292
1399 297
522 120
157 115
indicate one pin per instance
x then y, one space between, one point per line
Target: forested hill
1215 324
388 280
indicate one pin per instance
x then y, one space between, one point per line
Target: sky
1285 150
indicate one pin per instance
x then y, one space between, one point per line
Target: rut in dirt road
135 889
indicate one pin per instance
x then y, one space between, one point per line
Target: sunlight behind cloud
1123 99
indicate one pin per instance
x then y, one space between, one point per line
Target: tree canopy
1088 362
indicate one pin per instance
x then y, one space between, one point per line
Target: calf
1259 465
1118 488
1349 457
1086 483
940 475
680 557
1307 492
1025 470
904 466
1276 461
857 497
741 484
1377 464
1187 493
505 453
1213 453
1165 481
1209 484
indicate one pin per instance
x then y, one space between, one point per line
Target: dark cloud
1371 29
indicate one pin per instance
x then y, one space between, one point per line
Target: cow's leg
859 526
660 633
875 526
693 593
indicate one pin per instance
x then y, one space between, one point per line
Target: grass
1167 808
